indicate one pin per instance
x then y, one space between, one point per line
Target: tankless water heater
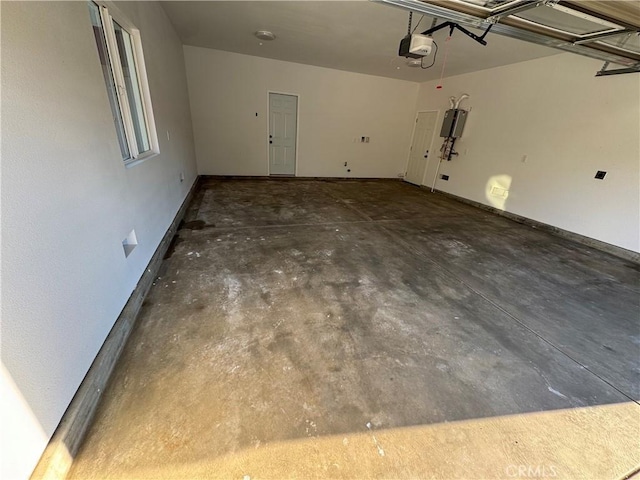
453 123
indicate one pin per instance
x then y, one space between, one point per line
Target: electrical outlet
445 177
499 192
600 175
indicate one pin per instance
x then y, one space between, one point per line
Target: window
120 54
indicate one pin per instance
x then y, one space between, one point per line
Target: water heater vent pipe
459 101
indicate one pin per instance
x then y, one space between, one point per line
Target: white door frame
269 92
413 135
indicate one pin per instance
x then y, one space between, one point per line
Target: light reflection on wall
497 190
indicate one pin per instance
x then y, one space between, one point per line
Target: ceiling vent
265 35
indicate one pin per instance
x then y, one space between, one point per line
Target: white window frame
108 14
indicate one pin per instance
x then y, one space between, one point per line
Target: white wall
569 124
228 89
68 202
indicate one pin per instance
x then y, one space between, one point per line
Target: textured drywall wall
68 202
228 89
540 130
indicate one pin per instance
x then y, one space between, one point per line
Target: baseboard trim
289 178
57 458
620 252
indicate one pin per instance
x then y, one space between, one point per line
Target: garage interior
434 272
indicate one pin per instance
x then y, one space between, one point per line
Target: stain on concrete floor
302 313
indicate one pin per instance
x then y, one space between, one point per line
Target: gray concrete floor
367 329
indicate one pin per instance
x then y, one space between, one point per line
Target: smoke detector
414 62
265 35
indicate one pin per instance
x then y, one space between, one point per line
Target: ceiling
357 36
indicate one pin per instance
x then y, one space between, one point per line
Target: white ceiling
357 36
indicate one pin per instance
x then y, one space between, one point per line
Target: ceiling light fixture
265 35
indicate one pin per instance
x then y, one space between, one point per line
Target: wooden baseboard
620 252
57 458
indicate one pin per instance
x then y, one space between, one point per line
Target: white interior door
283 119
422 136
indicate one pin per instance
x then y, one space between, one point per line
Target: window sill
137 161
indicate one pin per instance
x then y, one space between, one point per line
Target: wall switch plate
600 175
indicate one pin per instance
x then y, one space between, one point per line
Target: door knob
270 136
270 141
